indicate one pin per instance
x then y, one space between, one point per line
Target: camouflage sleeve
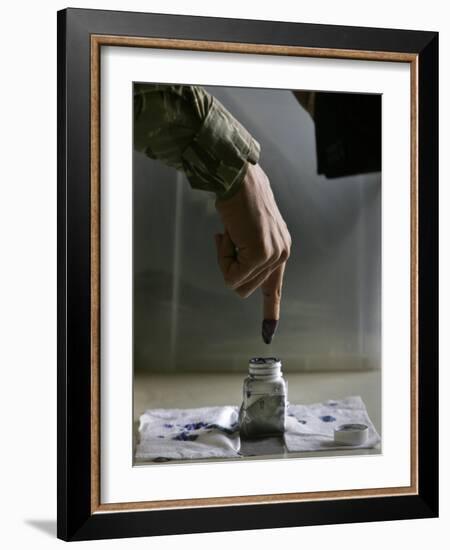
189 129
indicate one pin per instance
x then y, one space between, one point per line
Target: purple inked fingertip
269 326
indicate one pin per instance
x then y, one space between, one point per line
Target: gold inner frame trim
97 41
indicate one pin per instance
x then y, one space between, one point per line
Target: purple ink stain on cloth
195 426
184 436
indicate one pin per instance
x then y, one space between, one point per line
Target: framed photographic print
247 274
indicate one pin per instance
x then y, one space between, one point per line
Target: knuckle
284 255
243 293
286 234
262 254
276 252
287 247
274 295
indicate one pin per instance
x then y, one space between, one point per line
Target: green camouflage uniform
187 128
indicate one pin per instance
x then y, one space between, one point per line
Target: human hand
253 250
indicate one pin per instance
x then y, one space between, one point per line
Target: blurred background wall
185 319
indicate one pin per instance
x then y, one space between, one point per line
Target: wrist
235 187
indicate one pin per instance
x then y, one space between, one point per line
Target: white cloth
311 427
213 432
188 433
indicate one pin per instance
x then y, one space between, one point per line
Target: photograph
256 273
247 257
224 279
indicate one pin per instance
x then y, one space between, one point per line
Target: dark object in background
348 132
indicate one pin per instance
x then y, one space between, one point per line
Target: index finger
271 289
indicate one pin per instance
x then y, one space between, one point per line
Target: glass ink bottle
263 409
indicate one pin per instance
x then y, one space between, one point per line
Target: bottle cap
351 434
264 367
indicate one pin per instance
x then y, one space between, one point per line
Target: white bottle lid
264 367
351 434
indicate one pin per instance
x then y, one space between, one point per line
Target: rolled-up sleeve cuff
216 160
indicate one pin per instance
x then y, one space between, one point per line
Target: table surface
199 390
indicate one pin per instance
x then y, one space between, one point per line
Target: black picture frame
75 475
